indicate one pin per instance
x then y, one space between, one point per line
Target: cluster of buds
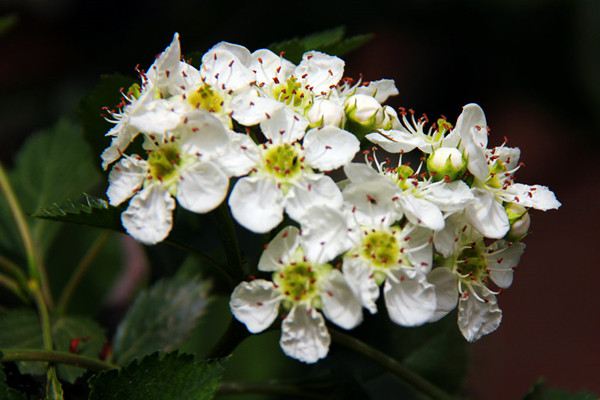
446 235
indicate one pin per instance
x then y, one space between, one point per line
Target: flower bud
446 163
519 220
364 110
325 113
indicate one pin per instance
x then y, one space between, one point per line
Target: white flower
303 288
145 109
283 173
280 84
377 252
464 276
183 165
410 134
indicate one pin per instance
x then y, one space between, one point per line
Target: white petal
255 304
304 335
535 196
320 71
250 107
487 215
157 117
202 187
123 136
240 156
409 301
270 68
226 66
381 89
505 256
126 178
395 141
478 318
418 245
371 202
165 65
447 240
149 217
509 155
472 128
313 190
204 134
325 112
360 172
340 306
256 204
449 197
284 126
359 276
279 250
329 147
446 291
324 233
421 212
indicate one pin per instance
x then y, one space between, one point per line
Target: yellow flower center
207 98
292 93
297 281
381 249
164 163
283 161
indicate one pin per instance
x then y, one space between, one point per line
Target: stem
233 336
44 317
61 357
392 365
13 287
80 271
14 270
36 268
230 241
268 388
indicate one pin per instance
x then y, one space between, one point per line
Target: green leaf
52 165
105 94
170 377
21 329
161 318
54 390
86 210
540 391
330 41
6 392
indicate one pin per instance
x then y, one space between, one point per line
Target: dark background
534 66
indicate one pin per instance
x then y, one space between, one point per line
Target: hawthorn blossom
465 273
184 164
304 290
283 171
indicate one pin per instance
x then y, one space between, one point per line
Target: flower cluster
445 235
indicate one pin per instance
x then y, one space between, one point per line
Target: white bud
446 163
364 110
326 113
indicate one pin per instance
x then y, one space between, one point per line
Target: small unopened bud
326 113
519 220
446 163
364 110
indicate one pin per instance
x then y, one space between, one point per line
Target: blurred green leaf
52 165
331 41
86 210
106 94
168 377
7 22
6 392
161 318
540 391
54 390
21 329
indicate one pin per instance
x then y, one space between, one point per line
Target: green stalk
80 271
11 285
14 270
44 316
416 381
36 268
230 241
56 357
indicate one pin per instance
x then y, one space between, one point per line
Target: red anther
231 63
282 53
106 351
278 69
275 79
500 260
309 187
328 147
371 199
411 111
505 139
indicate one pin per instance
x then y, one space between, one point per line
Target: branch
60 357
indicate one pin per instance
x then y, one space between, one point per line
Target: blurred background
533 65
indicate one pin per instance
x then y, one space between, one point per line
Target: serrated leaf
161 318
86 210
105 94
21 329
170 377
331 41
52 165
6 392
540 391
